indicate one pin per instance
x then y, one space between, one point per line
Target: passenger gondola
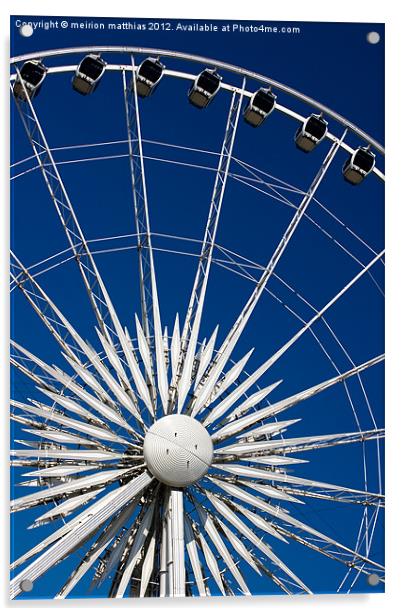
32 75
359 165
88 74
260 106
204 88
311 133
148 77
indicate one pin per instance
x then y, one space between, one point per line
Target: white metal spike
272 428
272 460
229 378
140 383
175 348
239 547
119 550
106 507
66 380
73 406
185 379
113 358
136 550
247 471
160 362
61 470
192 552
258 521
166 347
163 580
65 508
60 436
237 426
328 440
134 369
211 562
82 568
69 526
252 400
239 391
148 565
220 546
89 379
100 545
96 479
268 490
120 394
206 357
278 513
144 350
48 413
89 455
259 544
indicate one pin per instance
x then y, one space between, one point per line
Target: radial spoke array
96 457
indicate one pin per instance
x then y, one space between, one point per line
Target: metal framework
88 462
211 62
190 333
140 199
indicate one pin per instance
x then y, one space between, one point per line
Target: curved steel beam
213 62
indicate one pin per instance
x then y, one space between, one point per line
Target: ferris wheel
151 458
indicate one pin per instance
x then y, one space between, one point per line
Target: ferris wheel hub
178 450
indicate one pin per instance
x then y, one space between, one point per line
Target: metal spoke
314 487
140 199
99 546
98 296
233 519
182 378
81 532
236 426
302 529
229 343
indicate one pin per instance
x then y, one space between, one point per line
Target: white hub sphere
178 450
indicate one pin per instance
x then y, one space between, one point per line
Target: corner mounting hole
26 585
373 579
26 30
373 38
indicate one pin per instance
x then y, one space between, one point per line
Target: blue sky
332 63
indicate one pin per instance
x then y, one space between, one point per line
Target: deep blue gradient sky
332 63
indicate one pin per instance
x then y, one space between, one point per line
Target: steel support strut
93 283
182 378
202 393
140 199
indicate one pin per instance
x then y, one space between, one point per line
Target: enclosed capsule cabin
204 88
359 165
32 75
88 74
148 76
311 133
260 106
